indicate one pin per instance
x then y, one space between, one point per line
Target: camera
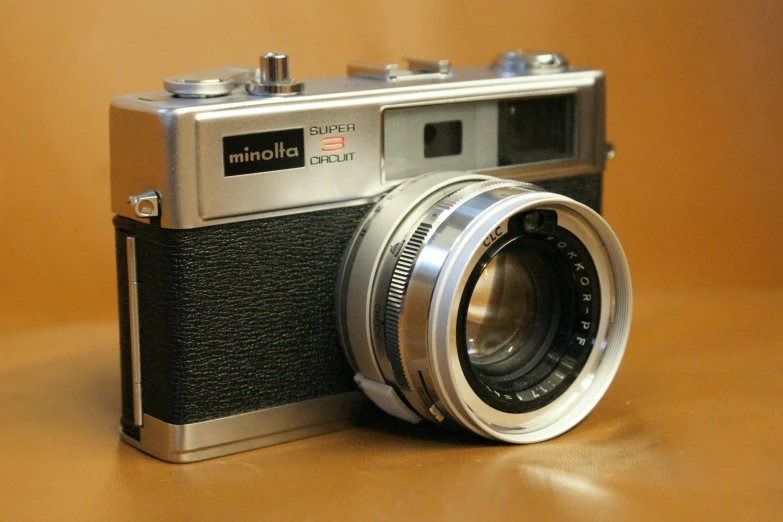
425 237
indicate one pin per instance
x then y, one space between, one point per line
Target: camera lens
484 303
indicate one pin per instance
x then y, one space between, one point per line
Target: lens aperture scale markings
552 382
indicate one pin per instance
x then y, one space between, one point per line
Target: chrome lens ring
610 340
410 263
537 318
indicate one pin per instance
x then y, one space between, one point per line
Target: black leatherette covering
235 318
240 317
585 189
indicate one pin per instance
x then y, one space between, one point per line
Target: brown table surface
691 428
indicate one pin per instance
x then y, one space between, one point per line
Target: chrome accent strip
138 419
215 438
133 311
130 252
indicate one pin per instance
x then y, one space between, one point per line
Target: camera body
236 192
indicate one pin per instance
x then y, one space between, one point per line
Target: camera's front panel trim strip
215 438
133 309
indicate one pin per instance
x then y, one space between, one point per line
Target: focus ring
395 297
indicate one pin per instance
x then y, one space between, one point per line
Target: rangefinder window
443 138
536 129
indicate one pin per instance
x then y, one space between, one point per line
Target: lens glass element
510 314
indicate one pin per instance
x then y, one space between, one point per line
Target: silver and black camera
282 245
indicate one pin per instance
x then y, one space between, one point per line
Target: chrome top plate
174 145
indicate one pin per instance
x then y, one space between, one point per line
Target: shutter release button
275 79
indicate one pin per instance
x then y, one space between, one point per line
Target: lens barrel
487 303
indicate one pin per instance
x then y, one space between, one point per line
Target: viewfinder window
536 129
443 138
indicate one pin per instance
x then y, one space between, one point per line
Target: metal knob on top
275 68
208 84
522 62
275 79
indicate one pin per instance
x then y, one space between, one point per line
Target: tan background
694 108
691 428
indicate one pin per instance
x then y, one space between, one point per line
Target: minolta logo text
280 151
263 152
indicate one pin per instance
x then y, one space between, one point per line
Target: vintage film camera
279 242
